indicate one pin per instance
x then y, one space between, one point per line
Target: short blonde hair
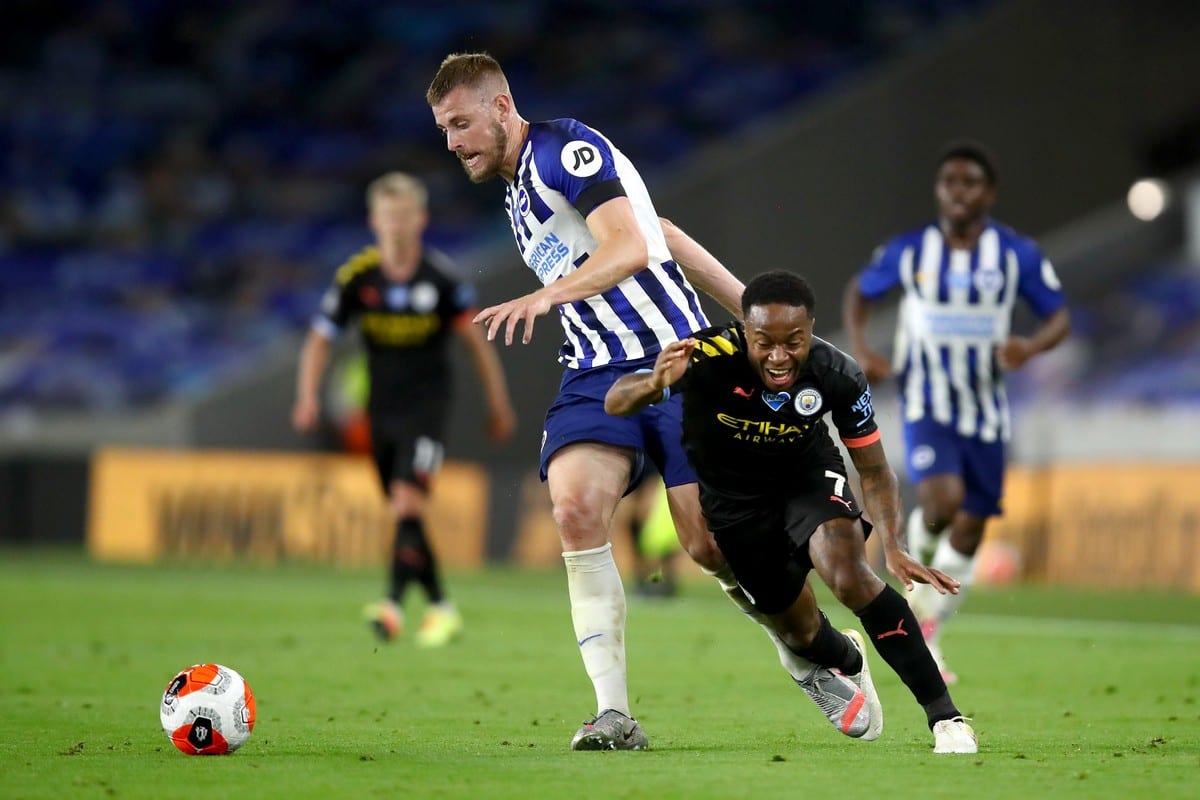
397 184
465 69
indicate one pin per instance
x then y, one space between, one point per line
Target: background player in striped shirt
961 277
407 304
621 281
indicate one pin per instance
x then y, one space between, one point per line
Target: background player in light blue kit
961 277
622 281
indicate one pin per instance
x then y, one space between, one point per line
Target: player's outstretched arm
314 357
1017 350
633 392
881 501
502 420
702 269
855 312
621 252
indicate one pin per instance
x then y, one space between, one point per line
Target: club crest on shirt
989 280
580 158
523 201
808 402
775 399
424 297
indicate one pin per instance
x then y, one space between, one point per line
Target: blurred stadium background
178 181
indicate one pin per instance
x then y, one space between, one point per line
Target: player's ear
503 105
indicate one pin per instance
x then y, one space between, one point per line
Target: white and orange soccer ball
207 710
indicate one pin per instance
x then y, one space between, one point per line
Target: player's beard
492 158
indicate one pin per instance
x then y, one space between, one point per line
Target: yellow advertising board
149 504
1125 525
1026 514
1105 525
1100 525
537 543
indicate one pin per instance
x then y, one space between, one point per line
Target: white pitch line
1056 626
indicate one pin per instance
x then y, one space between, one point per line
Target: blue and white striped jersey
564 171
957 307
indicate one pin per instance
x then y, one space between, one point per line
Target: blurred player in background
655 543
960 277
406 304
775 492
621 280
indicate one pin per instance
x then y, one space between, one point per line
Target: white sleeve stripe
326 327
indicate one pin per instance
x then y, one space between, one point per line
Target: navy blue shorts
577 415
932 448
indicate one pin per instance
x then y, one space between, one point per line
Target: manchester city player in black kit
774 488
407 304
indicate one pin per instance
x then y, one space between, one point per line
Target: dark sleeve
711 343
685 380
338 306
850 404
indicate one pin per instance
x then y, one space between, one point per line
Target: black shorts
407 449
768 548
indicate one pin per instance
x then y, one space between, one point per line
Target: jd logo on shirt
580 158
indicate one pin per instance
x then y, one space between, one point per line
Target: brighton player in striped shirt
960 277
621 280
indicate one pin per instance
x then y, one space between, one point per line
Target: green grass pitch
1073 694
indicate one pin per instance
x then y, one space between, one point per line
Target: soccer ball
207 710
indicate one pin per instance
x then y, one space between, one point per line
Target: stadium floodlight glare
1148 198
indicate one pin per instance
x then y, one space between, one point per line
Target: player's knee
704 551
938 516
967 535
405 500
577 520
404 508
939 508
797 631
853 585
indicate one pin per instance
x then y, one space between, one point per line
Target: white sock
921 543
598 611
958 566
797 667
